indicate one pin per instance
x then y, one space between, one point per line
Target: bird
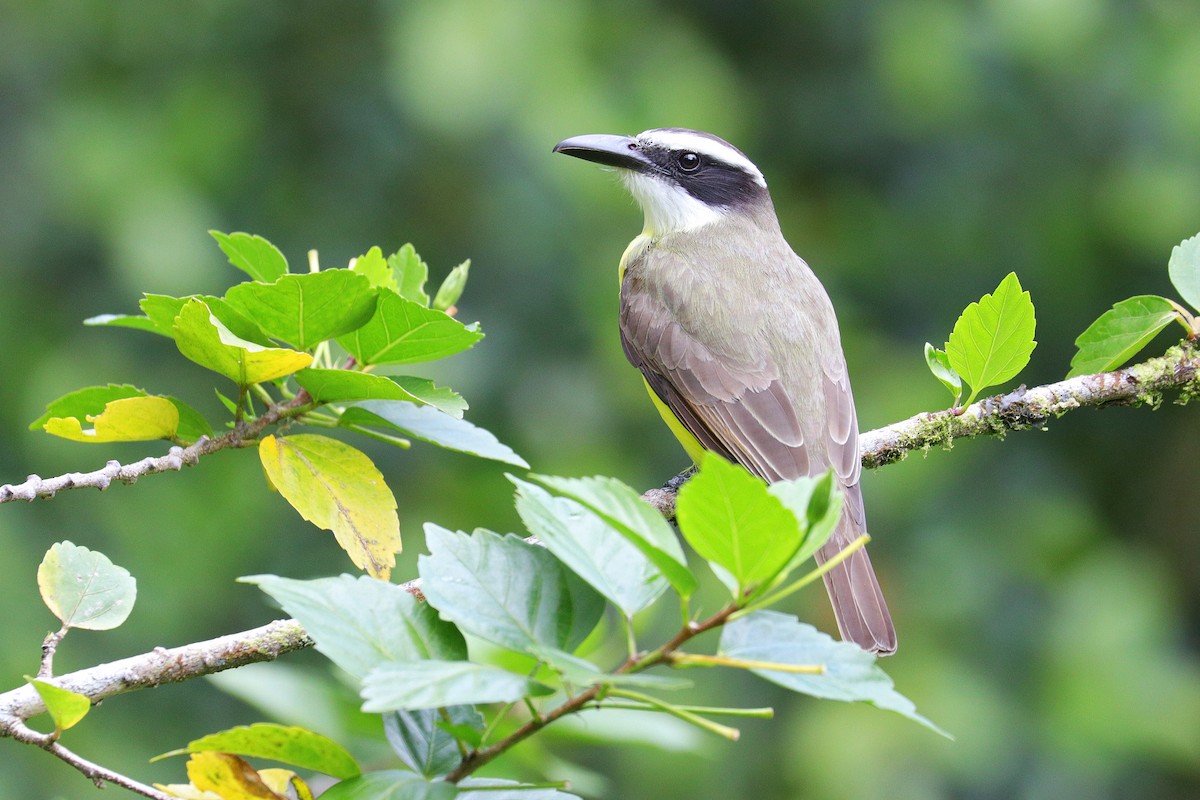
736 339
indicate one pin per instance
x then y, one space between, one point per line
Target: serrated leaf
204 339
421 740
443 397
729 518
1184 269
394 785
452 287
133 419
506 591
65 707
410 274
993 338
624 509
359 623
405 332
303 310
939 364
417 685
84 589
229 777
341 385
337 488
431 425
252 254
284 743
817 503
1119 333
591 547
851 673
375 268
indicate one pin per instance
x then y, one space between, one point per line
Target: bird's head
682 179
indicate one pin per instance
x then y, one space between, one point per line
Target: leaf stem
712 711
792 588
698 660
724 731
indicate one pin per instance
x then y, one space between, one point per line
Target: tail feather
858 604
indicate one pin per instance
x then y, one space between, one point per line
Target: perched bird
736 338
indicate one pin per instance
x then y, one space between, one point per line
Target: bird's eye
689 162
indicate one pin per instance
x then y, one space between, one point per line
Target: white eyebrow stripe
685 140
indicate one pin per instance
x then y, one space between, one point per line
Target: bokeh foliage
1045 587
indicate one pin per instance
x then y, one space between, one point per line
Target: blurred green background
1046 588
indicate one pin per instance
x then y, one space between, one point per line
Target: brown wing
739 406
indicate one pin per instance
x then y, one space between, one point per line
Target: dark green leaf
411 273
421 740
729 518
506 591
622 507
1119 333
591 547
433 684
431 425
392 784
252 254
359 623
452 288
939 364
303 310
993 339
1184 269
851 673
405 332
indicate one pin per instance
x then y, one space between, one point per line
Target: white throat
668 208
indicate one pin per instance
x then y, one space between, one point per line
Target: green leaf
83 402
132 419
851 673
410 274
431 425
432 684
288 744
506 591
337 488
405 332
65 707
728 517
252 254
204 339
491 789
359 623
1119 333
84 589
445 398
622 507
162 310
341 385
939 364
817 504
581 672
303 310
124 321
375 268
452 287
192 424
422 742
1184 269
993 339
394 784
591 547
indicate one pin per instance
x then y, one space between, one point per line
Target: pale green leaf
431 425
993 338
506 591
410 274
132 419
1119 333
359 623
433 684
65 707
452 287
1184 269
939 364
443 397
375 268
395 785
84 589
337 488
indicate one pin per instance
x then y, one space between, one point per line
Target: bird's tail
862 614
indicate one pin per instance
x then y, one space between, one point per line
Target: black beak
623 152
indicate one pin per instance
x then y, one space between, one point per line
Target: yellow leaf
339 489
280 779
186 791
203 338
66 708
132 419
229 777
